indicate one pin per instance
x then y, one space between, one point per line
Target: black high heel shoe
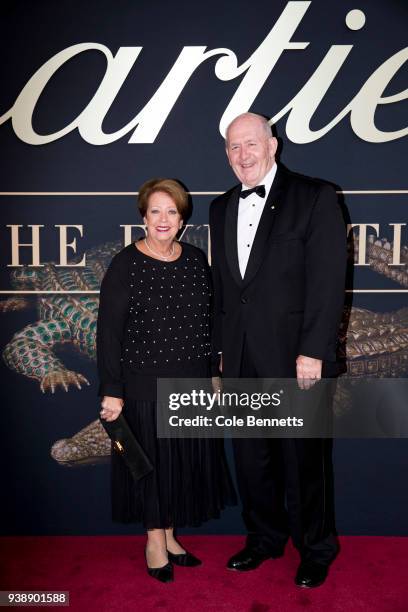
185 559
163 574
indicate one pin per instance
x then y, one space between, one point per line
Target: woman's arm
112 318
216 356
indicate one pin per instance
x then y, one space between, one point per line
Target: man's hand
111 407
308 371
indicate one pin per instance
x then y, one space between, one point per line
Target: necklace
159 255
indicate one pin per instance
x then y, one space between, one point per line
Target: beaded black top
153 321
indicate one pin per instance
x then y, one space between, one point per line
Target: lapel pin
273 207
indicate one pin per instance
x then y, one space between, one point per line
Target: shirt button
244 300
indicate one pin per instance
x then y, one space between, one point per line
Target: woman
156 291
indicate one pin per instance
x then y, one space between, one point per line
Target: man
278 261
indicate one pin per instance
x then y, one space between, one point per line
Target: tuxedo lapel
230 234
266 222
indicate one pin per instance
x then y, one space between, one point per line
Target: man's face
251 153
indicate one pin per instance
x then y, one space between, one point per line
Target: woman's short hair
177 193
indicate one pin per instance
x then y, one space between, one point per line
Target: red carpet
107 573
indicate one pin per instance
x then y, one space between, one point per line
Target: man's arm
325 269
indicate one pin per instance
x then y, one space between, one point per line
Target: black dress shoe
311 574
163 574
246 560
184 559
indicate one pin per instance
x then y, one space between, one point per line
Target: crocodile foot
89 444
62 378
13 304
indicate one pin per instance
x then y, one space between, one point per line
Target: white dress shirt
249 214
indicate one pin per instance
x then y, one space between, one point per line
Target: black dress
154 321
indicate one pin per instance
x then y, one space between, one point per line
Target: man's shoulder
311 183
221 201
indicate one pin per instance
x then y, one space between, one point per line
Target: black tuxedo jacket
290 300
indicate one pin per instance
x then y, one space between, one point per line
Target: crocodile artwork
372 344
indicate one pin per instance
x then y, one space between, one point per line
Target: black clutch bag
125 444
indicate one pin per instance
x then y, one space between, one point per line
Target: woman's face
162 218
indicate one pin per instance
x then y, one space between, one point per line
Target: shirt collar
267 180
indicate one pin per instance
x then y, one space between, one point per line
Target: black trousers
286 489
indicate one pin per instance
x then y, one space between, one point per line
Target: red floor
108 573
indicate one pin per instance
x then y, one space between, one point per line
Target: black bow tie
259 190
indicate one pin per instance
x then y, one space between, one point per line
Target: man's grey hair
263 121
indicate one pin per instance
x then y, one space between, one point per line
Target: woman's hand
216 383
111 407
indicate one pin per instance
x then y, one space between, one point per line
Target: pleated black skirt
189 485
